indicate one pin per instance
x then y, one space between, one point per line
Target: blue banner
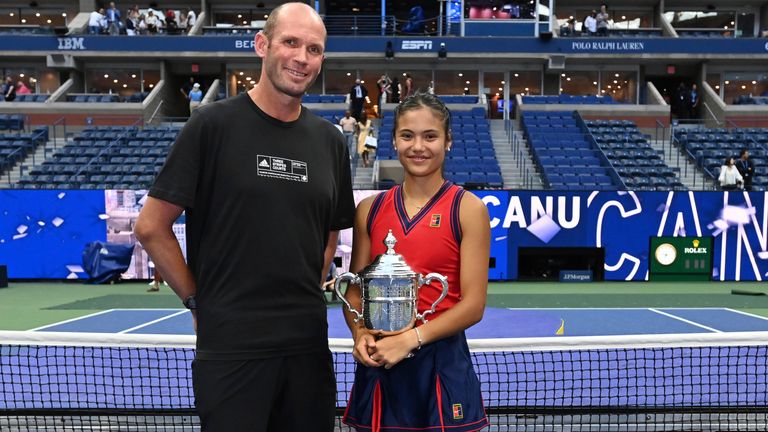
623 222
43 232
474 45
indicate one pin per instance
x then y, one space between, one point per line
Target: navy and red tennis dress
437 389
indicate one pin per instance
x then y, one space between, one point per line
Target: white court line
746 313
685 320
71 320
153 322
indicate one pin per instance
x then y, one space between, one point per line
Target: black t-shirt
261 196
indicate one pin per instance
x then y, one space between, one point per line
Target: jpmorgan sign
412 45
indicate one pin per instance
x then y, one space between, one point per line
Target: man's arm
330 251
154 229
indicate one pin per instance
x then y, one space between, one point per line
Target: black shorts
281 394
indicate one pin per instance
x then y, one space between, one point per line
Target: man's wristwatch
190 303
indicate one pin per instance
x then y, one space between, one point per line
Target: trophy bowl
389 292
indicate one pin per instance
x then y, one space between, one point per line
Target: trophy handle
352 278
443 281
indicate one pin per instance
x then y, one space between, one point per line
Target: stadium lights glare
500 89
461 74
527 89
594 82
241 73
12 14
466 82
616 75
503 82
727 82
151 85
37 14
49 21
517 75
562 75
125 85
248 78
239 16
133 75
64 14
106 75
466 89
23 21
21 75
114 81
349 73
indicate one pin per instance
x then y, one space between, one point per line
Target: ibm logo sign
71 44
416 45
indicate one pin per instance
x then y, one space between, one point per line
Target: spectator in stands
364 130
357 95
9 90
396 89
399 378
590 24
153 22
569 29
113 19
384 84
187 87
746 168
195 97
279 340
96 21
141 26
602 20
730 179
131 23
409 87
694 100
171 26
191 18
22 88
348 125
682 101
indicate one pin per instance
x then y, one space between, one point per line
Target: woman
364 130
422 379
730 178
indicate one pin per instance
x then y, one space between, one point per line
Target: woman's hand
389 351
365 346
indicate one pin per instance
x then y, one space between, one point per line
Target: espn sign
411 45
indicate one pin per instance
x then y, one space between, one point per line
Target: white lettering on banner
244 44
766 46
516 214
416 45
71 44
695 250
608 46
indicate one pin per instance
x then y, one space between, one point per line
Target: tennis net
126 382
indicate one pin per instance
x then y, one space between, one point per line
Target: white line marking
685 320
746 313
71 320
153 322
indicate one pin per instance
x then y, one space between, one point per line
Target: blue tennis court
497 322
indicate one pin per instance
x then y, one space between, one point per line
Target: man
96 21
348 125
746 168
195 97
357 96
602 20
266 187
113 20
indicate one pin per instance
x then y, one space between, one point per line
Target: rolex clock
665 254
680 258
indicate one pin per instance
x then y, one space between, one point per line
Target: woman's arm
474 251
361 254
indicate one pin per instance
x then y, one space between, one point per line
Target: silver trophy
389 291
